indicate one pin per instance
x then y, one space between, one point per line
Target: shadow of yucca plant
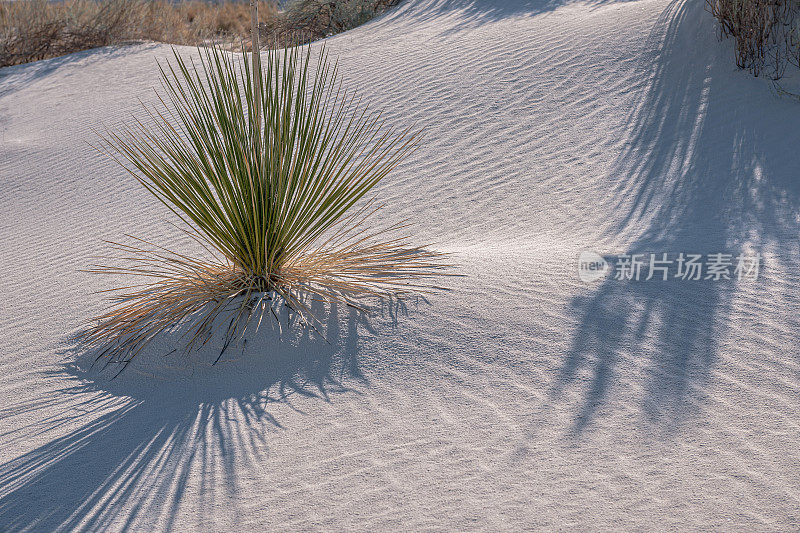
268 165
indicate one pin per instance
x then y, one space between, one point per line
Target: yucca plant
268 166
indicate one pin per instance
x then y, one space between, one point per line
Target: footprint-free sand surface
522 398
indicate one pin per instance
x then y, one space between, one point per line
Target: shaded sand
521 398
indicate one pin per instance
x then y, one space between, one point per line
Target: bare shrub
309 20
766 33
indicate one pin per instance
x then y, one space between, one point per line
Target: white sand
521 398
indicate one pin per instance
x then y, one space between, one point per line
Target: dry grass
191 294
31 30
38 29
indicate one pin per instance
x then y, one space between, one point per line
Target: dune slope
522 397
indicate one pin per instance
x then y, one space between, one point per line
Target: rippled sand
522 397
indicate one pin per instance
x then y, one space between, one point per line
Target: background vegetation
39 29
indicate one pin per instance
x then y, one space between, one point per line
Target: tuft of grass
271 178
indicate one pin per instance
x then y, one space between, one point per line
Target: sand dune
521 398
